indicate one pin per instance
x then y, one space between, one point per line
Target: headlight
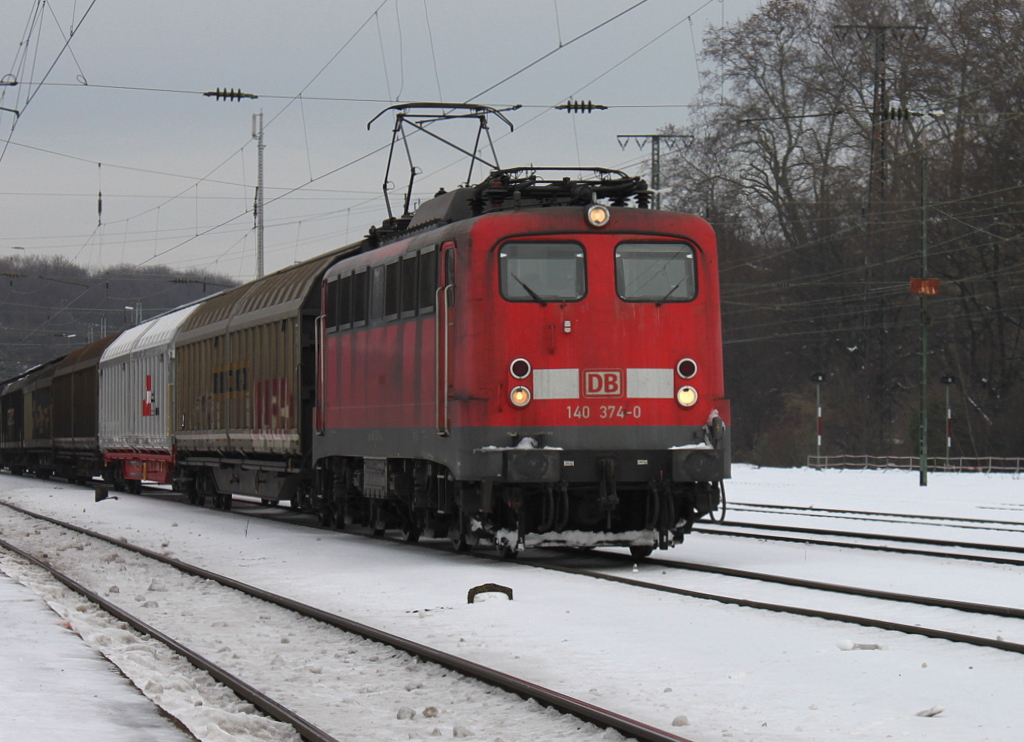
687 396
598 215
520 396
687 368
520 368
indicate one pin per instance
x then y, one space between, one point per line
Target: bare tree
793 129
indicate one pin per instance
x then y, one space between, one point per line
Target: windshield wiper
533 294
671 291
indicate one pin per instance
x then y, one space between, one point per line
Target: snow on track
337 681
207 709
733 673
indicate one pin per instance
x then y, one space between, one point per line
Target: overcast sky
122 112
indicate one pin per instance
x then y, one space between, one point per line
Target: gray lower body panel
640 454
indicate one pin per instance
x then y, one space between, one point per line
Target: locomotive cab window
656 272
542 271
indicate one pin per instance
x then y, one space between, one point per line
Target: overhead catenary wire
32 93
372 15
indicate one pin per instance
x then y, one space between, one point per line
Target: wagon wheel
327 517
458 534
505 549
413 521
202 487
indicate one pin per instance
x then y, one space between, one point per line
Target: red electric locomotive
532 361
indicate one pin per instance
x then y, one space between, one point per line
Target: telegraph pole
655 140
257 134
878 33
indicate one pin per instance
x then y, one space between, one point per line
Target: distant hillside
48 307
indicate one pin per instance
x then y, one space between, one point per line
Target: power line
31 94
554 51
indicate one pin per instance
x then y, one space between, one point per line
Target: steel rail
1001 611
979 641
869 547
973 524
523 688
983 521
263 702
873 537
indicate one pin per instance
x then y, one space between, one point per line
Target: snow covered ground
719 671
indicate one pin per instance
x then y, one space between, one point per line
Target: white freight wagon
136 425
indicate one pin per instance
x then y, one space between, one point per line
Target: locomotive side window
449 264
542 271
377 292
410 284
428 280
331 308
655 271
391 288
360 304
345 301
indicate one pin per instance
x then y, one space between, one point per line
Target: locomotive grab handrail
441 375
318 406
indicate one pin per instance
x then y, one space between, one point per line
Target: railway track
247 691
972 551
731 597
1010 526
415 654
947 606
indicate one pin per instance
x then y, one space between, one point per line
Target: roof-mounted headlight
598 215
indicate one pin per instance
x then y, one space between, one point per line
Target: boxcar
137 373
244 388
75 412
12 425
27 444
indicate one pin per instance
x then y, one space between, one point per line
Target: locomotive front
586 375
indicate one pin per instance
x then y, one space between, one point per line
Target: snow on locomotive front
567 364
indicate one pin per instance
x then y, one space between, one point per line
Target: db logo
602 383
